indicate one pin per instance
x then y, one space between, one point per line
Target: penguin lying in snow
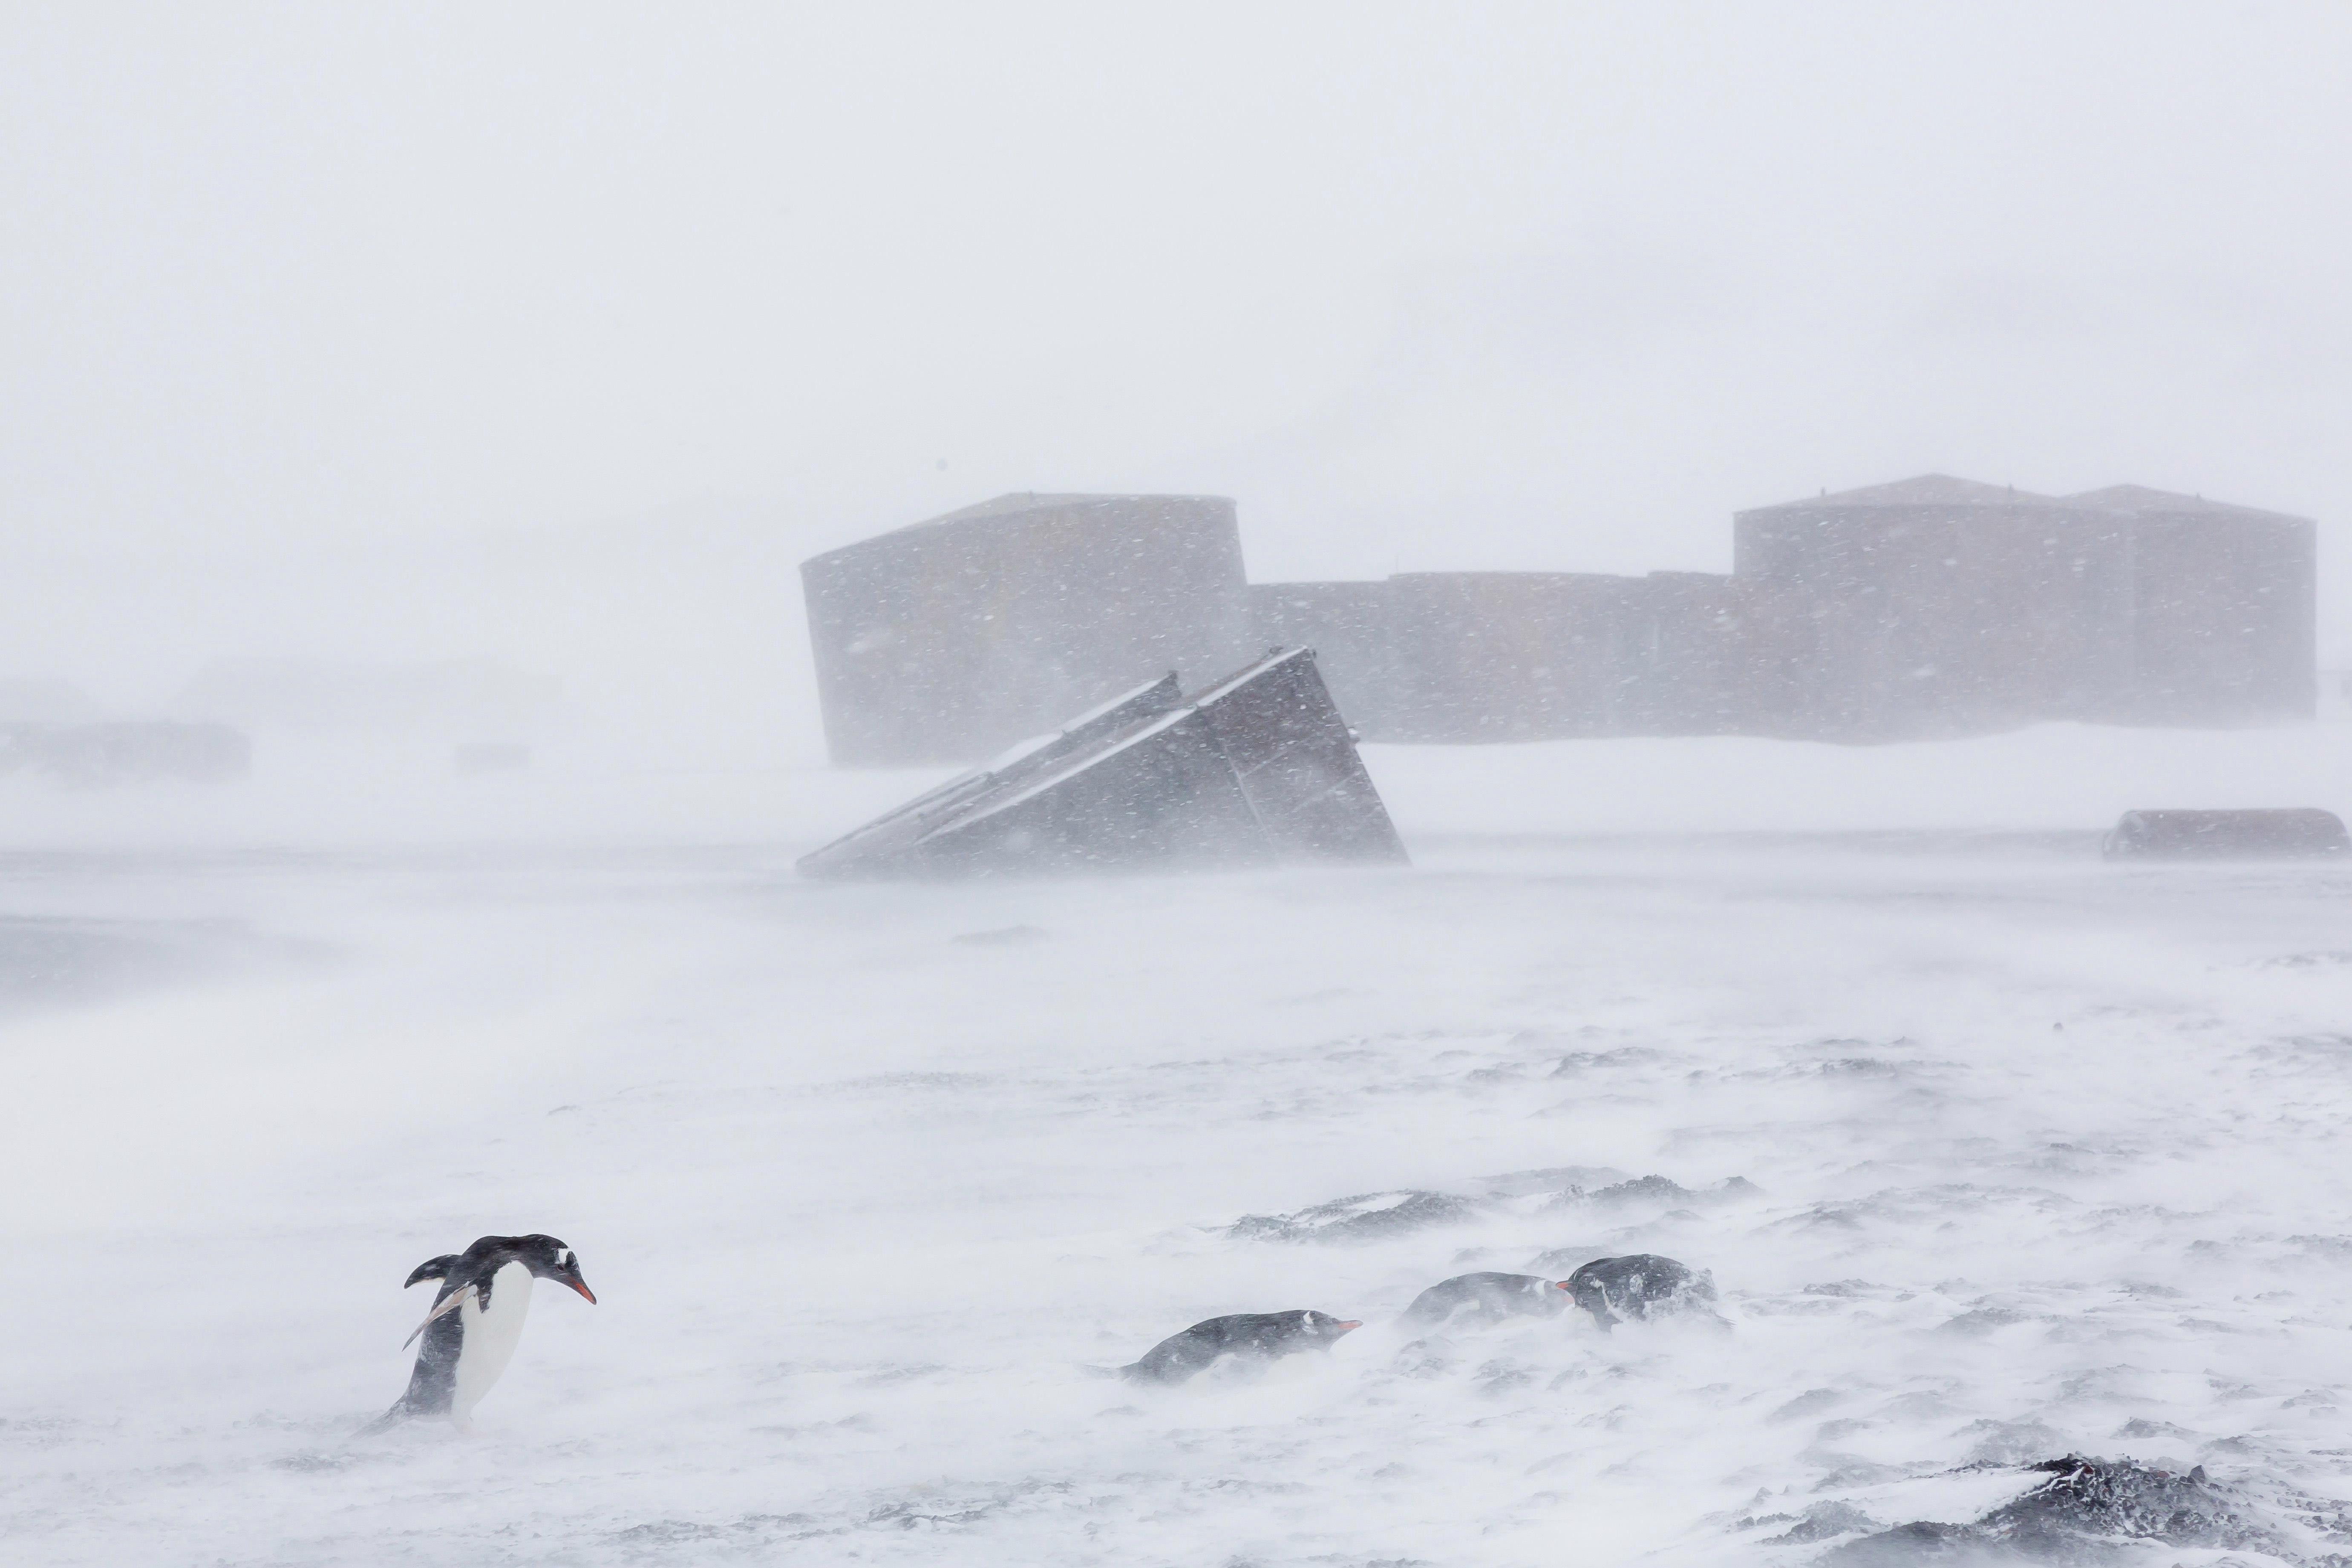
476 1322
1260 1336
1641 1286
1487 1298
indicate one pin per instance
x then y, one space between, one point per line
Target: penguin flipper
449 1303
433 1268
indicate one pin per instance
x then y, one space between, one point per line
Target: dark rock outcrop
91 755
1369 1216
2090 1499
2081 1510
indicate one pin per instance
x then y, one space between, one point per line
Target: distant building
1933 606
1504 655
125 752
1508 656
1940 606
950 640
2225 609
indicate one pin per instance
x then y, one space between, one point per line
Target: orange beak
581 1286
1347 1324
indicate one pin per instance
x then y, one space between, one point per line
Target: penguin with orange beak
476 1323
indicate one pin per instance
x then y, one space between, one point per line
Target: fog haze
414 418
560 334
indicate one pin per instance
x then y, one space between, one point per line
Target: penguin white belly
490 1338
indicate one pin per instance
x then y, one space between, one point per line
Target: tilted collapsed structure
1931 607
1256 769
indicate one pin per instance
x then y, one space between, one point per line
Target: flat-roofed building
1933 606
950 640
1942 606
1504 655
2224 605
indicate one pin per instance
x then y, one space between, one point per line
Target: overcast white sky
563 332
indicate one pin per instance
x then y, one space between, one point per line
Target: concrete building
2225 609
1933 606
949 639
1940 606
1504 655
1696 655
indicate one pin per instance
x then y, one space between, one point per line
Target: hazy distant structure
949 639
1509 655
1941 606
1933 606
1502 655
125 752
465 699
1256 769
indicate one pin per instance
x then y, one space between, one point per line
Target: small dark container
2297 834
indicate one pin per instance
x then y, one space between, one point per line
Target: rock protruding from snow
2080 1511
1368 1216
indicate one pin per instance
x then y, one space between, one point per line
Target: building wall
1930 607
949 640
1933 621
2224 619
1503 656
1476 657
1685 646
1348 625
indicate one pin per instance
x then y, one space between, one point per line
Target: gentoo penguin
1641 1286
1481 1299
476 1322
1258 1336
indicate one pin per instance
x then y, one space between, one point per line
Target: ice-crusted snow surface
2034 1155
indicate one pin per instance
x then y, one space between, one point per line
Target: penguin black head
544 1256
548 1258
1324 1329
1585 1289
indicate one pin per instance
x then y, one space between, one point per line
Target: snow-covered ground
2047 1156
